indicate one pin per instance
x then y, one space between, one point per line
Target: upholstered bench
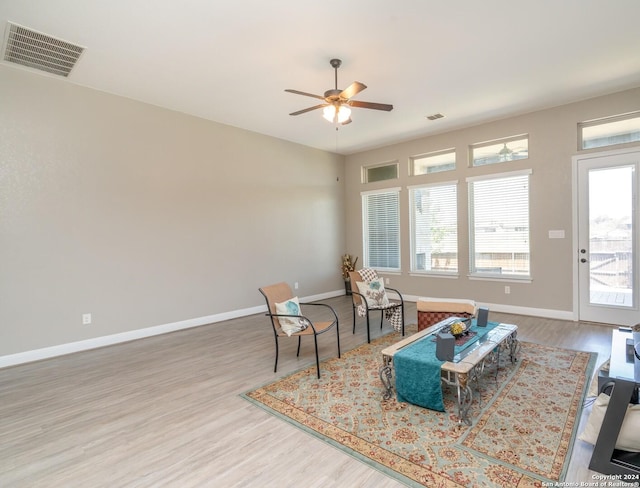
433 310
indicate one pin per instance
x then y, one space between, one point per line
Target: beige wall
143 217
552 143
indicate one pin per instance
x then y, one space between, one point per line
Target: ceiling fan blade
305 110
305 94
374 106
348 121
352 90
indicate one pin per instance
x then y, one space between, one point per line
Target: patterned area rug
525 416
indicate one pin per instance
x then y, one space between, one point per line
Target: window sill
451 276
506 279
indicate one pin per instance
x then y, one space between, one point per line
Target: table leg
386 377
514 346
465 397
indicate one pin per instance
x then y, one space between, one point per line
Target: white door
607 237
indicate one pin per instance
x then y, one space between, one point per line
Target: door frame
575 205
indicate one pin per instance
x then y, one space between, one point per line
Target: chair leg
368 332
402 311
315 339
299 340
275 367
381 318
338 337
354 317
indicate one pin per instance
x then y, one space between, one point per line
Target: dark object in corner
630 350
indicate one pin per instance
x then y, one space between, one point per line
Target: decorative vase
347 287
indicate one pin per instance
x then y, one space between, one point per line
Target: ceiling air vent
40 51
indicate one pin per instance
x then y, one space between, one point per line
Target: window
610 131
499 225
434 228
510 149
381 229
381 172
433 162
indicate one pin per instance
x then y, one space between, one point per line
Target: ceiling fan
337 102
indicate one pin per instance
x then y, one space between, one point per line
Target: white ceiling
230 60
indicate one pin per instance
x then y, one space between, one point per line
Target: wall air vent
435 116
40 51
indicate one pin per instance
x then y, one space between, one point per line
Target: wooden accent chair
359 301
281 293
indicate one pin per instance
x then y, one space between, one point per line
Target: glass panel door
607 235
610 236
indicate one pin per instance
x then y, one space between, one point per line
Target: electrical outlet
295 285
86 318
507 290
386 281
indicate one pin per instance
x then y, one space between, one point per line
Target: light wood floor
166 411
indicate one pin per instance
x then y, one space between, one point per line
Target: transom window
609 131
433 162
499 151
499 225
434 228
380 172
381 229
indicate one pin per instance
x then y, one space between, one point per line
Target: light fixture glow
336 114
343 114
329 113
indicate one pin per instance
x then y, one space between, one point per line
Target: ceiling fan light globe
344 113
329 113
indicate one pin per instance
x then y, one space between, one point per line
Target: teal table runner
417 369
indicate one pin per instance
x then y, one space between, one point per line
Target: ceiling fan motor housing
332 95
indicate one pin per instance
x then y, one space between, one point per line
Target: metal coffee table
466 366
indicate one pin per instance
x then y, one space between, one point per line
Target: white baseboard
534 312
516 310
109 340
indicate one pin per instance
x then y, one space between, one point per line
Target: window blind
434 225
499 224
381 230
